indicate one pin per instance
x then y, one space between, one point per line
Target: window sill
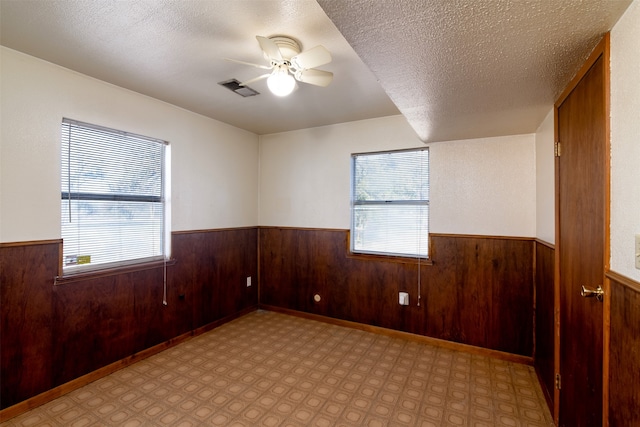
107 272
389 258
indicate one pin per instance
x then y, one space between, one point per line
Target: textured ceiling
454 68
460 69
173 50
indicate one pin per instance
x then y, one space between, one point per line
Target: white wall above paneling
625 141
545 181
214 165
305 174
482 186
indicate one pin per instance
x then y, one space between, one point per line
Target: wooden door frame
601 50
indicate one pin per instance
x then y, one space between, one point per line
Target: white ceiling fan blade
255 79
311 58
315 77
270 49
264 67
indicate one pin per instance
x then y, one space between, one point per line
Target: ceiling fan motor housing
288 46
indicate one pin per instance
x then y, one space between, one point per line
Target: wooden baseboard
516 358
61 390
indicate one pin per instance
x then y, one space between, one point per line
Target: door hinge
558 382
556 149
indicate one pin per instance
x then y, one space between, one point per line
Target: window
113 197
390 203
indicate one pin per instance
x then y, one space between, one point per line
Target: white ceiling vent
235 86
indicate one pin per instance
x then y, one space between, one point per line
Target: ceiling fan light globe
281 83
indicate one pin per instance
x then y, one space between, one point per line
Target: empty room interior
301 212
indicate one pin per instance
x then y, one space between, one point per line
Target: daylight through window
390 203
113 197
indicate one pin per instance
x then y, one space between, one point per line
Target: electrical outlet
249 282
637 251
403 298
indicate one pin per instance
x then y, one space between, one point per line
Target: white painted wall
545 181
625 141
482 186
305 174
214 165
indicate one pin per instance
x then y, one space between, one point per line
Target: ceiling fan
288 64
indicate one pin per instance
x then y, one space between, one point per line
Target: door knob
598 293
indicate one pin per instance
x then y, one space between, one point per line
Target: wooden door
582 247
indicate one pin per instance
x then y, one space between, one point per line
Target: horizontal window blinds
390 203
112 199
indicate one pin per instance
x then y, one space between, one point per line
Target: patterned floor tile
269 369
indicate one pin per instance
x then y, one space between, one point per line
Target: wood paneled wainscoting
54 334
544 352
475 290
624 351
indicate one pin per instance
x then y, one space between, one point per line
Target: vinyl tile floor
271 369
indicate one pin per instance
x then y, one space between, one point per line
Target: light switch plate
637 254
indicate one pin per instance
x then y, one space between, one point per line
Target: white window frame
118 140
356 246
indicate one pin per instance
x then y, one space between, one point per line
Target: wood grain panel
544 319
54 334
624 368
297 264
96 322
189 287
478 291
373 294
484 292
26 285
210 275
